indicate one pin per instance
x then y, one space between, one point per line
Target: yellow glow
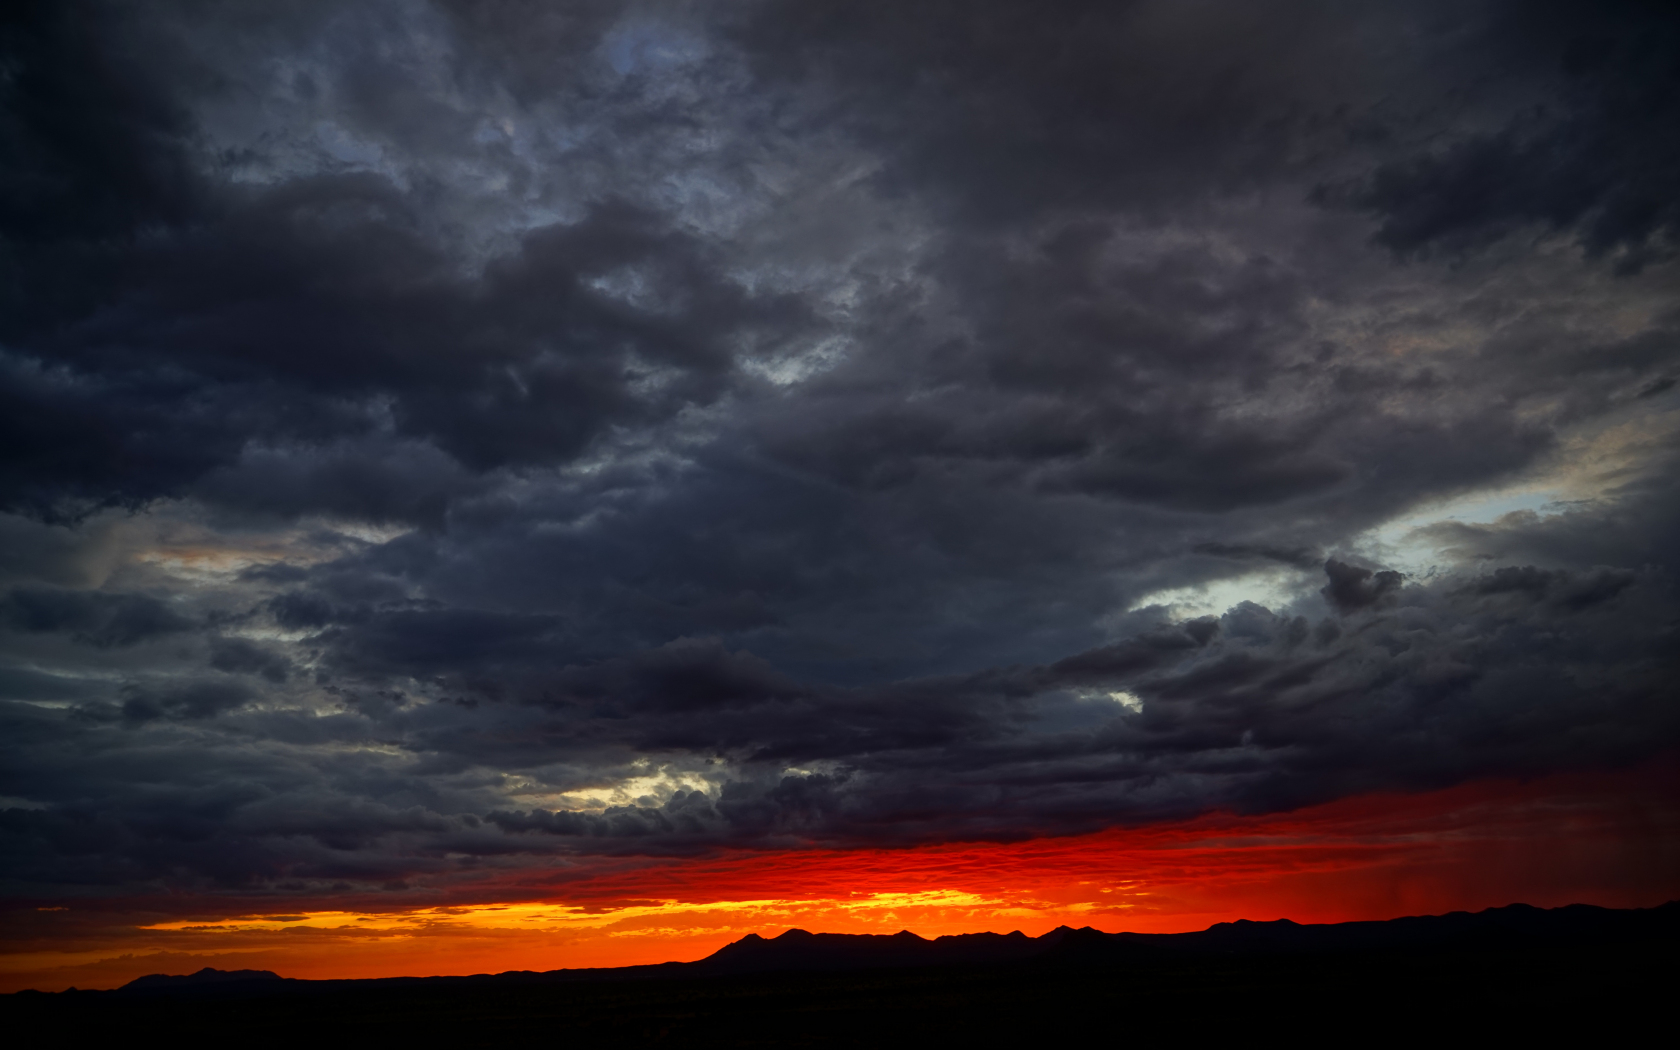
874 907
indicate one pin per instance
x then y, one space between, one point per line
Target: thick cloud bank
445 438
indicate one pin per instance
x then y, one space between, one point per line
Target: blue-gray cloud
442 435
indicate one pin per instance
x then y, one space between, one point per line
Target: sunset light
743 522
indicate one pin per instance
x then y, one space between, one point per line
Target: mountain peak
208 975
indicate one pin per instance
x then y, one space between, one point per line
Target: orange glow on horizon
1607 838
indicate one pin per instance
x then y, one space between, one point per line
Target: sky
520 485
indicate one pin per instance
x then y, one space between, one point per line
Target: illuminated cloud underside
1468 847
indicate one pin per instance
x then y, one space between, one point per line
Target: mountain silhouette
1516 927
1512 927
208 975
1505 975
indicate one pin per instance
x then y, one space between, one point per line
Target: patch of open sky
705 202
800 365
663 455
1273 588
646 46
646 786
1081 710
1402 543
347 148
630 286
371 533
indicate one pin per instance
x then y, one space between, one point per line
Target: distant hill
1504 976
1516 927
208 975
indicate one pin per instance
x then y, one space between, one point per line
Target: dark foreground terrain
1504 974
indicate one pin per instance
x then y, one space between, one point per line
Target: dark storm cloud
1572 590
1595 157
93 134
94 618
312 319
1014 110
1300 557
196 700
237 655
163 325
1231 712
592 428
1252 711
1352 587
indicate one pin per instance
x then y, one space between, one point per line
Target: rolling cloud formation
444 439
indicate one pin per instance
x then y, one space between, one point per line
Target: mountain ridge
1511 927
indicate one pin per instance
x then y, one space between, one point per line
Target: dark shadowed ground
1604 979
1343 999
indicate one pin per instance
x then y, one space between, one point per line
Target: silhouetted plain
1504 973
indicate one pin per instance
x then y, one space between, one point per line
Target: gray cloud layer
435 438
